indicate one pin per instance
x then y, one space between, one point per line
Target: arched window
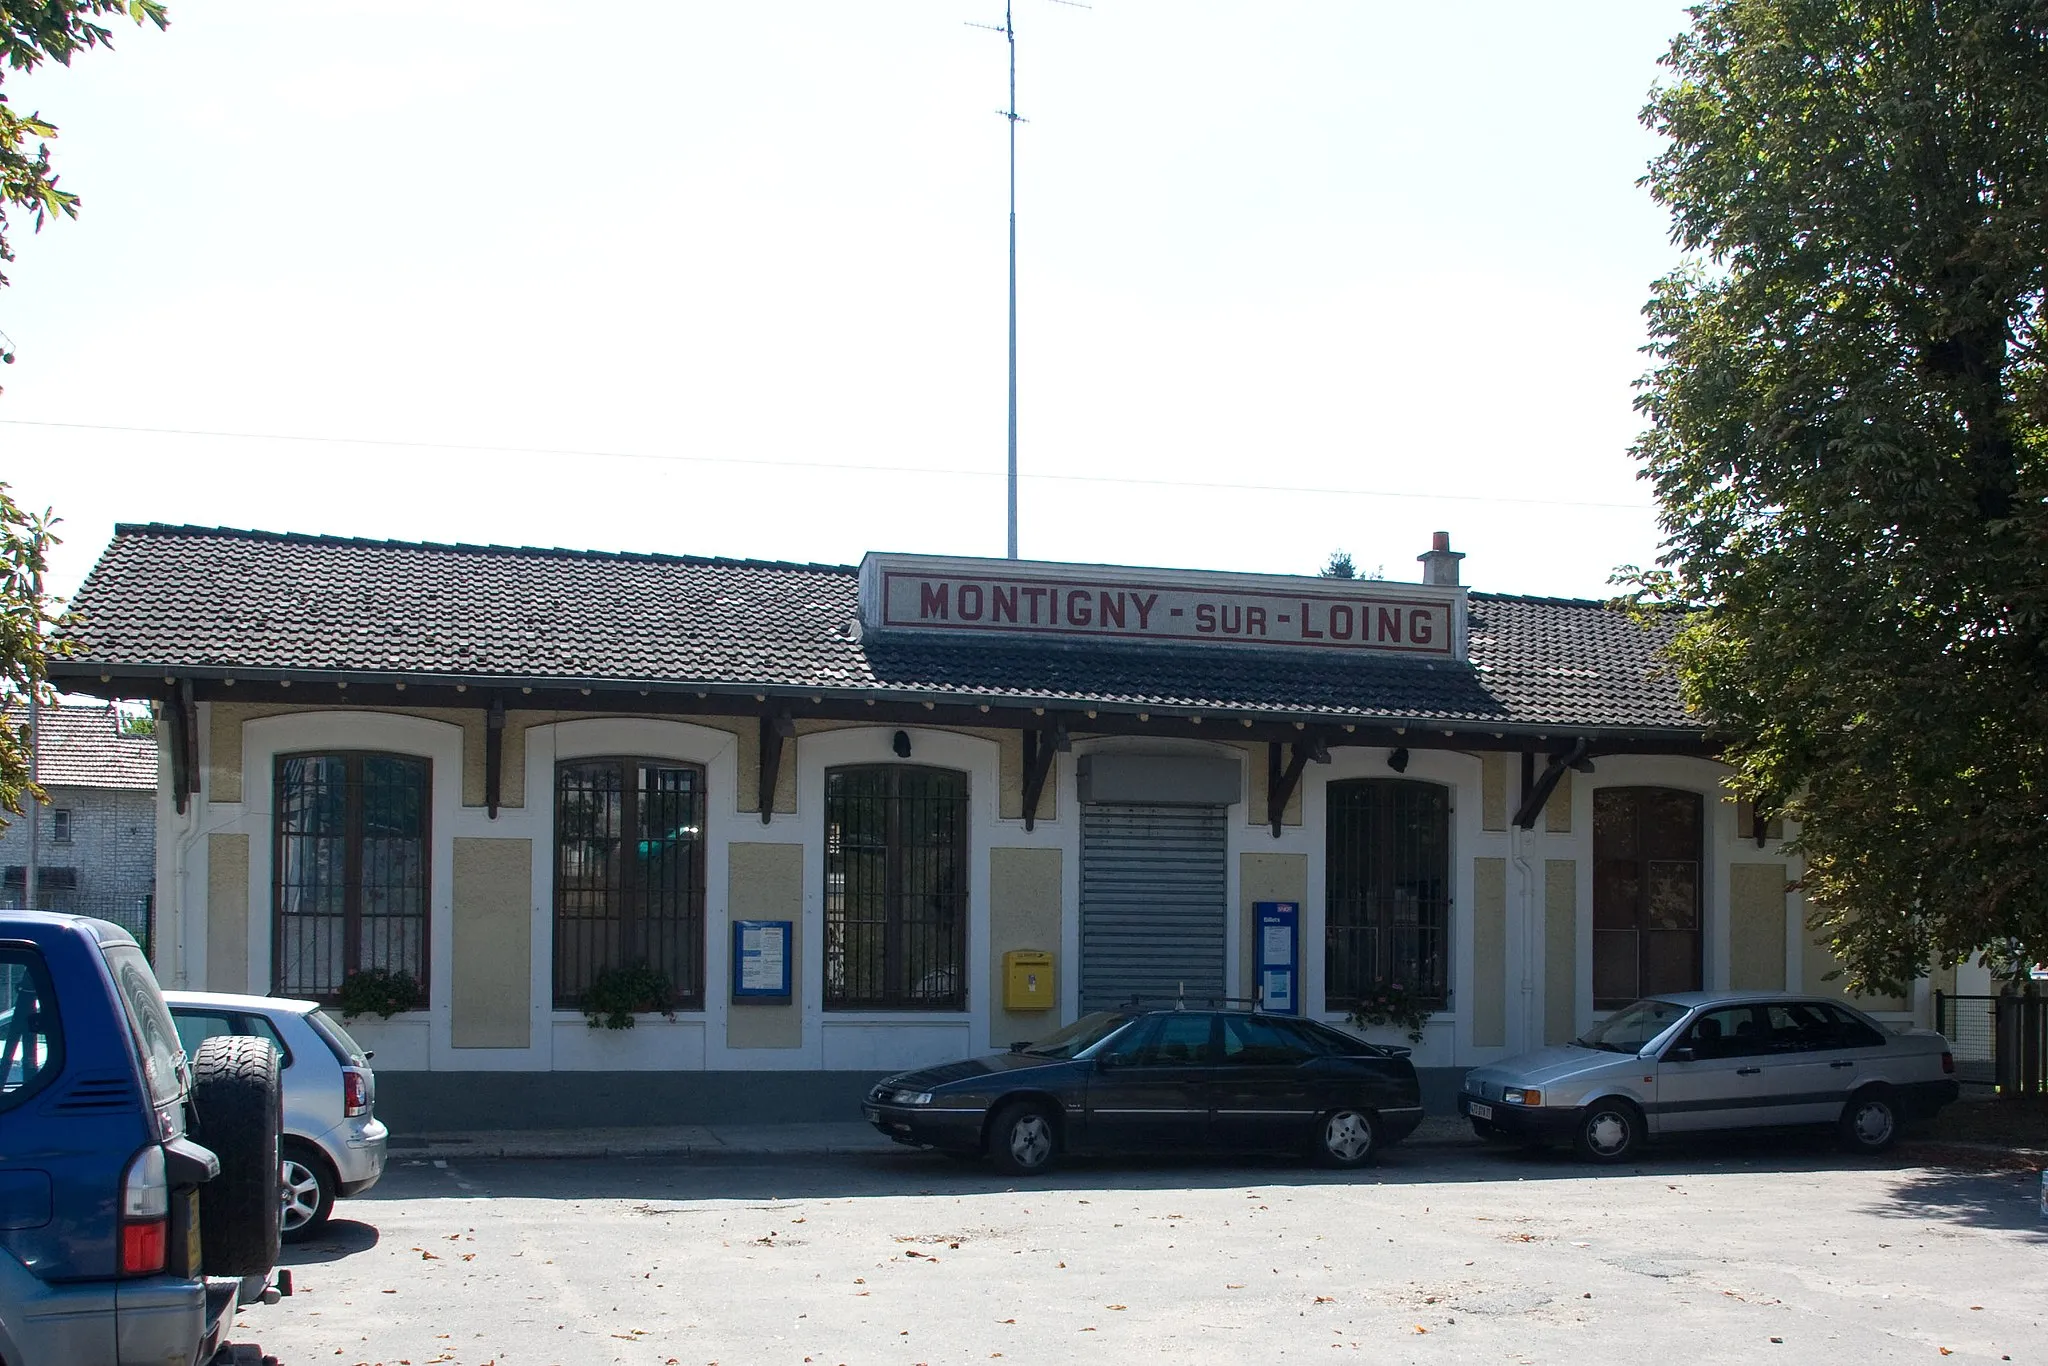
629 874
350 890
895 888
1387 890
1646 893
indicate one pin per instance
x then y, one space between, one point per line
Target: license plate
1478 1111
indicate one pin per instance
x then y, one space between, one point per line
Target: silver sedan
1706 1060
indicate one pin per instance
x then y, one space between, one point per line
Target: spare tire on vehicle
237 1109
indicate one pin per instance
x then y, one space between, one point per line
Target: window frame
352 863
61 824
30 959
1380 885
632 918
895 877
1643 863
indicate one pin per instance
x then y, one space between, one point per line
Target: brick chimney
1440 564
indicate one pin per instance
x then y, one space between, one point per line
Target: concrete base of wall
447 1102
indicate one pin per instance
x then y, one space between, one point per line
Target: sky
730 279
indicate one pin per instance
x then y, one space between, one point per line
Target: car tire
1610 1130
1870 1121
1347 1138
1024 1138
237 1109
308 1193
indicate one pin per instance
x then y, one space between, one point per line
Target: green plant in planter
1393 1004
377 991
615 995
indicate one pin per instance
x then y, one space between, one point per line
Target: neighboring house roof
207 601
84 747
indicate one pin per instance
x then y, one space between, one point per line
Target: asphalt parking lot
1775 1249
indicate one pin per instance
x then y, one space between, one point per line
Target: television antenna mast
1009 112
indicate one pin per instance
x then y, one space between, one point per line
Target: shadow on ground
1972 1188
341 1238
913 1173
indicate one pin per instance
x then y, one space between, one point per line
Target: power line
833 466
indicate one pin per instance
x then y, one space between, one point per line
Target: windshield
1079 1036
1629 1030
149 1019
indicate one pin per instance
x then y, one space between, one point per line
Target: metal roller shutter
1152 901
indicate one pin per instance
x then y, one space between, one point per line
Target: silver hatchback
334 1144
1706 1060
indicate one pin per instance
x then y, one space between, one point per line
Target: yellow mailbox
1027 980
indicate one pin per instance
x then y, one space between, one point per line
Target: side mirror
1020 1045
1682 1053
1104 1062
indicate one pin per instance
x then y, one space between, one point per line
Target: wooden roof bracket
776 727
1537 792
1282 780
1039 749
494 754
182 731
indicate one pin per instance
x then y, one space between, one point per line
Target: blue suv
139 1190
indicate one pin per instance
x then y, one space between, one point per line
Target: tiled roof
84 747
171 599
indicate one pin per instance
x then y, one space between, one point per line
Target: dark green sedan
1160 1081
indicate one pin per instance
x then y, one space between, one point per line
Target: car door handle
1843 1063
1747 1071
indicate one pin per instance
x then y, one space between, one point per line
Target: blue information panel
760 959
1279 956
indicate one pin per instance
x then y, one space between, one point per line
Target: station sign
1025 598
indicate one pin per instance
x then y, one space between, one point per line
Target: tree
32 31
27 622
1848 436
1339 566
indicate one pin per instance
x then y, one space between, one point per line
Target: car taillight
355 1094
1948 1062
145 1213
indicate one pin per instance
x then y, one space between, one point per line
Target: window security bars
629 874
1646 893
895 888
350 883
1388 907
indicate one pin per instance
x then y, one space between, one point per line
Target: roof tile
190 598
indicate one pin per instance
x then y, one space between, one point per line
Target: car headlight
910 1098
1515 1095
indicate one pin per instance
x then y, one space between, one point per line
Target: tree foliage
32 32
1338 566
27 622
1847 425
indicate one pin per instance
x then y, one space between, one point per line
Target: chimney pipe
1440 563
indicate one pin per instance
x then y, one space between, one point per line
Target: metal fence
133 914
1997 1040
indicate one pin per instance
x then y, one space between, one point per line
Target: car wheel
1025 1138
1870 1121
1347 1138
1609 1131
308 1194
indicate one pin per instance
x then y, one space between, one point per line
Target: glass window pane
1387 888
351 869
895 888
